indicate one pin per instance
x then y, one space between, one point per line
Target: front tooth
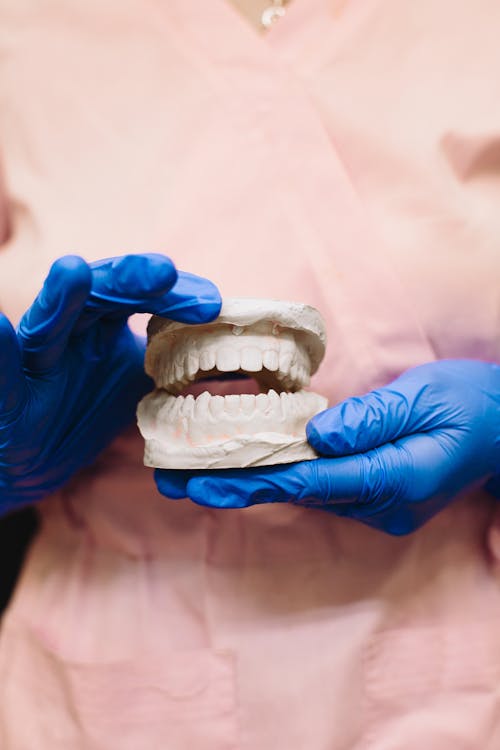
232 405
227 359
216 406
207 359
251 359
247 403
270 359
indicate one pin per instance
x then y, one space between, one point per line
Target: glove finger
238 488
147 283
359 424
374 479
193 299
12 380
124 285
172 484
45 328
394 488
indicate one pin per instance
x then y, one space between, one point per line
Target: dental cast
280 344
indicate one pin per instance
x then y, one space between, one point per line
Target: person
348 159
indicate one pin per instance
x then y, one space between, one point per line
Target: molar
270 359
275 410
192 365
176 409
207 359
166 409
201 410
305 378
261 403
188 406
285 359
284 403
169 378
179 371
294 369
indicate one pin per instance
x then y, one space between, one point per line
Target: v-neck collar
263 78
298 15
224 34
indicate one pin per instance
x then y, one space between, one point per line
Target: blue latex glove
396 456
71 376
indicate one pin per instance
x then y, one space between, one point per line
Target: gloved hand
395 456
71 376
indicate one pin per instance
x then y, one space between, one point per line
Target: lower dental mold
279 344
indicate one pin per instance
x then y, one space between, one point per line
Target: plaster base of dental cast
275 346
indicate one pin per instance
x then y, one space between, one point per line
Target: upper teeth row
178 364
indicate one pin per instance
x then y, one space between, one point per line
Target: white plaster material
280 344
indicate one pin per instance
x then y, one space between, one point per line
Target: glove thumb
360 424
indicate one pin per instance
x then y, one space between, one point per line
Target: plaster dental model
278 344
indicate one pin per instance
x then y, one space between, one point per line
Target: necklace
273 13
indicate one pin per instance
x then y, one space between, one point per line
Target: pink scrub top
350 159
